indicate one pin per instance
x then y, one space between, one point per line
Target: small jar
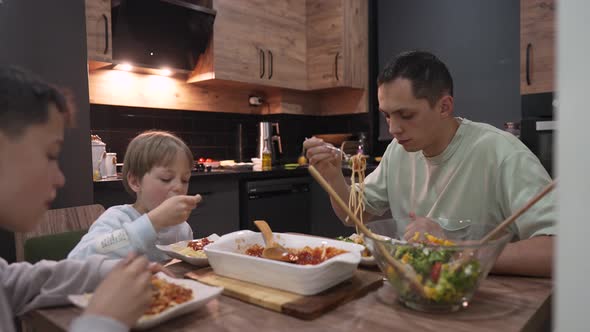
513 128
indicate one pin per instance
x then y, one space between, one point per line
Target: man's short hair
430 77
25 100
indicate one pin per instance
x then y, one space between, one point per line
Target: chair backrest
75 220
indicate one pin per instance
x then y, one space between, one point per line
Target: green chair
52 247
57 234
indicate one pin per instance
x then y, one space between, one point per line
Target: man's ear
446 105
134 182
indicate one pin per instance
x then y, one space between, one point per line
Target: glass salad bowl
435 274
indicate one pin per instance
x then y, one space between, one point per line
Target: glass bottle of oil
266 158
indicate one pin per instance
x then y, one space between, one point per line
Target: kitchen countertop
245 173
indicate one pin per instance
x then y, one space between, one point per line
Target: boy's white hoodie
121 230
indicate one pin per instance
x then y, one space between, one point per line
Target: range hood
160 34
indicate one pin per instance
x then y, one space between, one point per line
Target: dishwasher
284 203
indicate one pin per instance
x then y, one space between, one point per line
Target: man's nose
394 127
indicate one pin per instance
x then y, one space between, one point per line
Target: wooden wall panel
115 87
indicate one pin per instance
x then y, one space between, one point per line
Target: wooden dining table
502 303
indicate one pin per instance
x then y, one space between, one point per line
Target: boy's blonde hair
151 149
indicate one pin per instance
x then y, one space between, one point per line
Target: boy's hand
173 211
125 293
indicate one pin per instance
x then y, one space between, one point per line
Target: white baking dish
227 258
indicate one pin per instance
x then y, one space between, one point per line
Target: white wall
573 166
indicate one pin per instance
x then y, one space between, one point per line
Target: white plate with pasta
366 258
174 297
185 250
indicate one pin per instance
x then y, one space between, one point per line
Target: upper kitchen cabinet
337 43
285 43
98 30
537 36
257 42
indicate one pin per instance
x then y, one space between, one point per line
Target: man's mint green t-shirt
484 175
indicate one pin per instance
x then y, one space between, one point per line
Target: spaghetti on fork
356 199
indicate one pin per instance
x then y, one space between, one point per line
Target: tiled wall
214 135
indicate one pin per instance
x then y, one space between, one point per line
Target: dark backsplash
215 135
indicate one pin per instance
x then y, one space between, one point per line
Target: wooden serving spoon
272 250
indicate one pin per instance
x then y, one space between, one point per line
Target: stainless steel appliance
269 134
284 203
538 126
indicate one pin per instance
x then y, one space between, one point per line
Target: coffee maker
269 132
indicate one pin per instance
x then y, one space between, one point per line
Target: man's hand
173 211
125 293
324 159
329 165
422 225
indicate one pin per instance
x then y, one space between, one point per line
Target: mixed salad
442 281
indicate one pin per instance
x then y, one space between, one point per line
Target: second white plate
173 249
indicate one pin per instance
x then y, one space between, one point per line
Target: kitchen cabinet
324 221
98 30
337 43
257 42
219 211
537 46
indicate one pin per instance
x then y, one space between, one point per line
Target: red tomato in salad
435 271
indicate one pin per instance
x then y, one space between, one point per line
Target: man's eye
184 181
407 116
52 157
165 179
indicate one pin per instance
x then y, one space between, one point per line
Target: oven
538 126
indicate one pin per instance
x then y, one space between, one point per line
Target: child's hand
173 211
125 293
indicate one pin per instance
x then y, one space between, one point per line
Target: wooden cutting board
300 306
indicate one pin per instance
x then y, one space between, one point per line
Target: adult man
439 169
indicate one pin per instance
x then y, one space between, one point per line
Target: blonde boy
156 171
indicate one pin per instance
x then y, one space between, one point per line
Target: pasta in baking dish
305 256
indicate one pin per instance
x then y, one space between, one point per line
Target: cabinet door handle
270 64
106 33
336 66
261 57
528 63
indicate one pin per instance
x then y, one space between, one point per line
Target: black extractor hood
159 34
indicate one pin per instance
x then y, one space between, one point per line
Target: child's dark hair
25 100
430 77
